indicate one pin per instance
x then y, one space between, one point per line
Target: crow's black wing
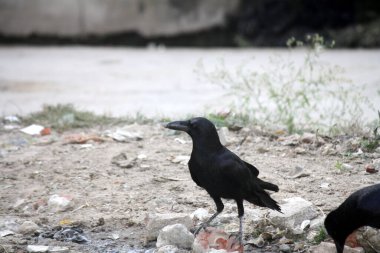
253 169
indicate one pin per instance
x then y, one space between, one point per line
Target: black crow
221 172
362 208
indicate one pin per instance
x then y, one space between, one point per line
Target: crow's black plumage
221 172
362 208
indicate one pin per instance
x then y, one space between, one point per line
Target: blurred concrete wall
84 17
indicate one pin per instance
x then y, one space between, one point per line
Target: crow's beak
178 125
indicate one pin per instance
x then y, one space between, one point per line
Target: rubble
28 227
328 247
294 211
177 235
155 222
58 203
37 248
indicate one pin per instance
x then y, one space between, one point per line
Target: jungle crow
362 208
221 172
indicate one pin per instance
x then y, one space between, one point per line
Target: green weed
321 236
63 117
307 95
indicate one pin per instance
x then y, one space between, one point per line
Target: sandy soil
35 168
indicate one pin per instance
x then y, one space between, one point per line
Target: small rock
177 235
295 211
122 135
369 239
115 236
300 150
37 248
285 248
200 214
262 150
142 156
291 140
28 227
155 222
328 149
347 166
4 233
167 249
328 247
325 185
307 138
181 159
298 246
59 203
19 203
299 172
258 242
57 249
370 168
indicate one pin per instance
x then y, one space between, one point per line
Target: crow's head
336 230
198 128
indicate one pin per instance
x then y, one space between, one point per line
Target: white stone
28 227
177 235
59 203
37 248
155 222
295 211
58 249
200 214
328 247
167 249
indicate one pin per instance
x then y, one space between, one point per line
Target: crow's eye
192 124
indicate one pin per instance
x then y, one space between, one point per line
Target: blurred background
123 57
208 23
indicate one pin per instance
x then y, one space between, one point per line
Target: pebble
200 214
37 248
28 227
167 249
58 249
59 203
285 248
328 247
298 172
177 235
300 150
4 233
155 222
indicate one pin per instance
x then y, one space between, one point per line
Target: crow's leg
241 216
219 209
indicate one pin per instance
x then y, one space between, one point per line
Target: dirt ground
110 203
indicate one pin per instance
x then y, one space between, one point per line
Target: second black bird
221 172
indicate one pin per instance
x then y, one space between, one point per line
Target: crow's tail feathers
263 199
267 185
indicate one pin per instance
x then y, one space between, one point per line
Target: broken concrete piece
37 248
328 247
177 235
295 211
28 227
58 203
155 222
